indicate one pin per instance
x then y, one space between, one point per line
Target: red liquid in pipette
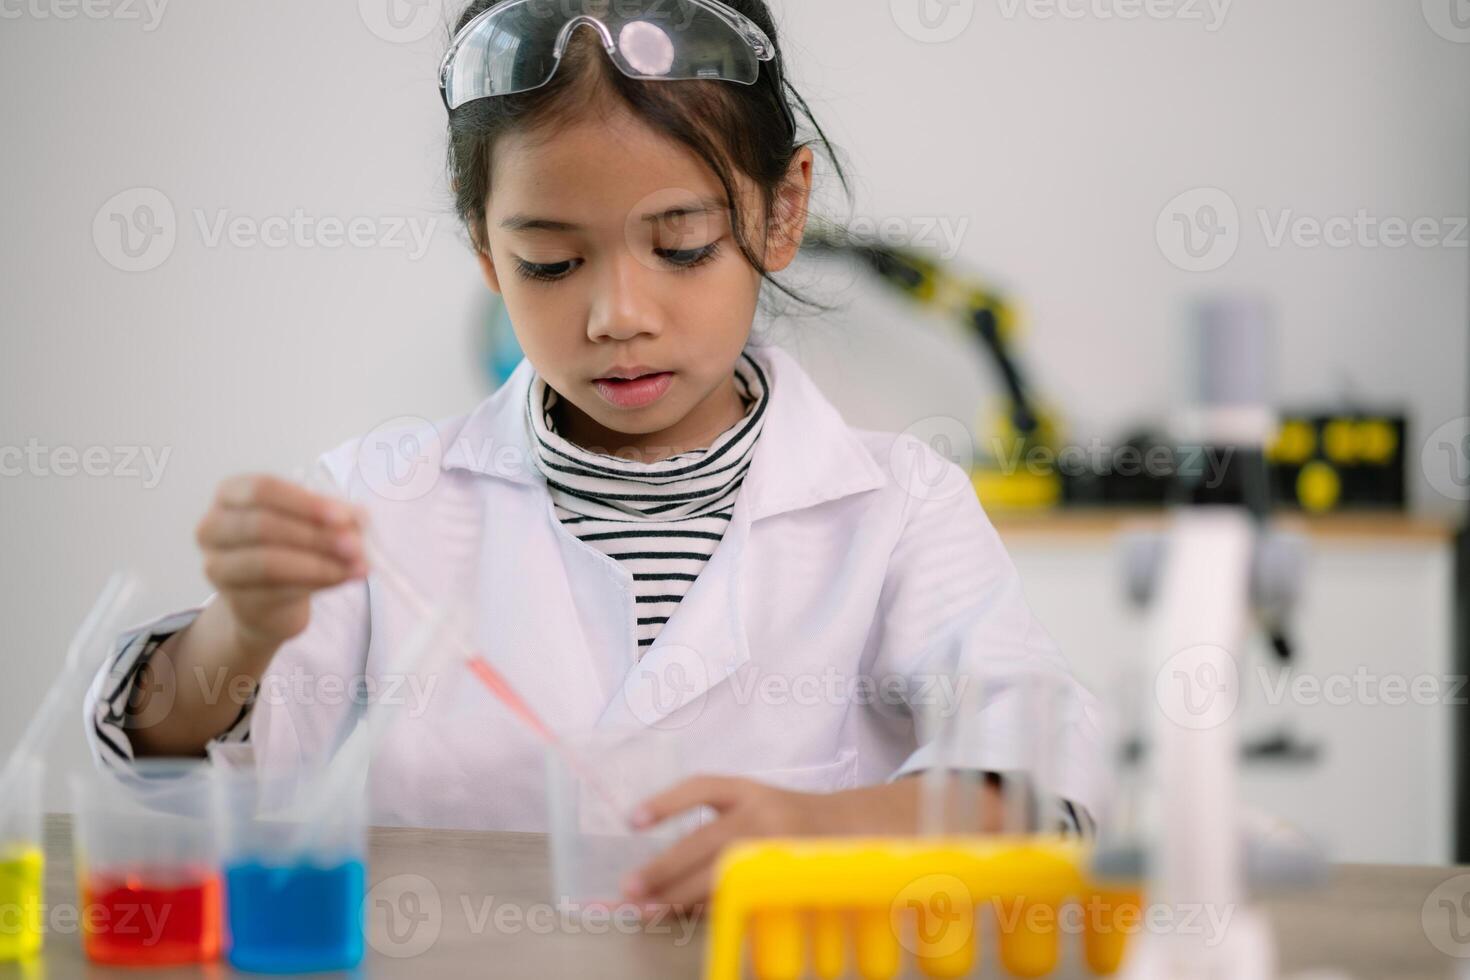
134 921
500 687
502 690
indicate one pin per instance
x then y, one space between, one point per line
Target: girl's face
613 249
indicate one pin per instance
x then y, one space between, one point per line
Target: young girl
656 521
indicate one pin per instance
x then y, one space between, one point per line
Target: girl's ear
788 218
487 269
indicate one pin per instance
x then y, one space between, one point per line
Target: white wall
1373 613
1058 141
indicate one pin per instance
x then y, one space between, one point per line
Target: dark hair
730 127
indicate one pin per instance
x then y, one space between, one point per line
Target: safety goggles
516 46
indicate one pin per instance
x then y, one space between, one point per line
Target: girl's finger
266 596
683 858
689 894
720 792
271 566
260 490
230 527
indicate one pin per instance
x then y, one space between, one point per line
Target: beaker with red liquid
146 918
147 866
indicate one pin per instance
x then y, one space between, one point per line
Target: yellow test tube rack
831 907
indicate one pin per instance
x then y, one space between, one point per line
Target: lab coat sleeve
105 709
305 690
956 626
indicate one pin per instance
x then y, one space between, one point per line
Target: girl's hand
268 545
681 877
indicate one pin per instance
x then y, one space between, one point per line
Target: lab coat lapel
806 455
559 635
562 635
701 645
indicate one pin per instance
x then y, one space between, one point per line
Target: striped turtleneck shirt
661 520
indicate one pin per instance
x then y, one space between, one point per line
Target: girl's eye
545 272
688 258
679 259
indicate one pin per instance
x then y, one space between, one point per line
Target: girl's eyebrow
525 222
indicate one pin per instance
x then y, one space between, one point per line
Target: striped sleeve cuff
107 702
1076 821
1065 817
1072 819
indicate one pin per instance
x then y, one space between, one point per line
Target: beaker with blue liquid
294 890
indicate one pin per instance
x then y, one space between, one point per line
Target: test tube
945 941
1115 896
949 792
1029 941
877 953
778 944
829 928
21 863
22 860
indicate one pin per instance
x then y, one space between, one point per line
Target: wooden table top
1348 527
473 903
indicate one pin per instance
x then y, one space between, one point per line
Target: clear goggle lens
517 46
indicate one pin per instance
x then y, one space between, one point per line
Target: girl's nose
626 305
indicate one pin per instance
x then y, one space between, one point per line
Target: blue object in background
500 350
297 919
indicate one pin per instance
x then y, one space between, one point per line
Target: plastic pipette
493 681
100 621
316 479
346 770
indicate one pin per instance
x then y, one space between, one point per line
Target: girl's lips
636 393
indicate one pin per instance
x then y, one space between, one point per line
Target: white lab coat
858 578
